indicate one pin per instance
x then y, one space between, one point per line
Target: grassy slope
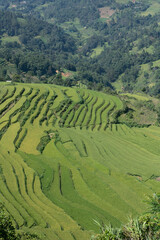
91 169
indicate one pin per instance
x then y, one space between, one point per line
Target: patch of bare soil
106 12
67 74
139 178
51 135
158 179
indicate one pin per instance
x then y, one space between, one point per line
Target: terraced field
65 164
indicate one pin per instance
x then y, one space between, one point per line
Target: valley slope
66 162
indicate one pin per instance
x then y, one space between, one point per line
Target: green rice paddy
65 164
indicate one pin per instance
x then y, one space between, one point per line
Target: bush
146 227
7 231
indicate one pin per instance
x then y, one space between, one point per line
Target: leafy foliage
7 231
129 39
145 227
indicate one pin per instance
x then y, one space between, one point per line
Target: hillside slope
98 43
65 162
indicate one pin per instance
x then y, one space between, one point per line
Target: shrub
146 227
7 231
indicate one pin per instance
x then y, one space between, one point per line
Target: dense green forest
98 43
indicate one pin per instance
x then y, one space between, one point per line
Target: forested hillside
98 43
31 45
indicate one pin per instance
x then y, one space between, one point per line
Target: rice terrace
66 163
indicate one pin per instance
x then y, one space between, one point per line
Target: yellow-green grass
81 175
97 51
18 191
85 32
36 112
77 115
156 63
92 121
88 115
149 50
10 94
27 103
12 193
14 108
43 111
81 116
31 102
3 90
74 95
88 165
60 98
67 117
35 206
137 96
153 9
94 153
105 115
6 39
13 103
83 215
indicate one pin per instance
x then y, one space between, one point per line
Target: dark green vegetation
145 227
8 231
98 43
22 45
69 157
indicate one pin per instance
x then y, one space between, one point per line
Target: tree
7 230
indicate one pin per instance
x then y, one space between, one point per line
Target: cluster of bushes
11 102
145 227
26 117
24 107
46 139
17 136
40 107
50 103
62 105
102 110
4 129
108 114
98 107
8 231
18 144
63 119
80 111
43 142
89 119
